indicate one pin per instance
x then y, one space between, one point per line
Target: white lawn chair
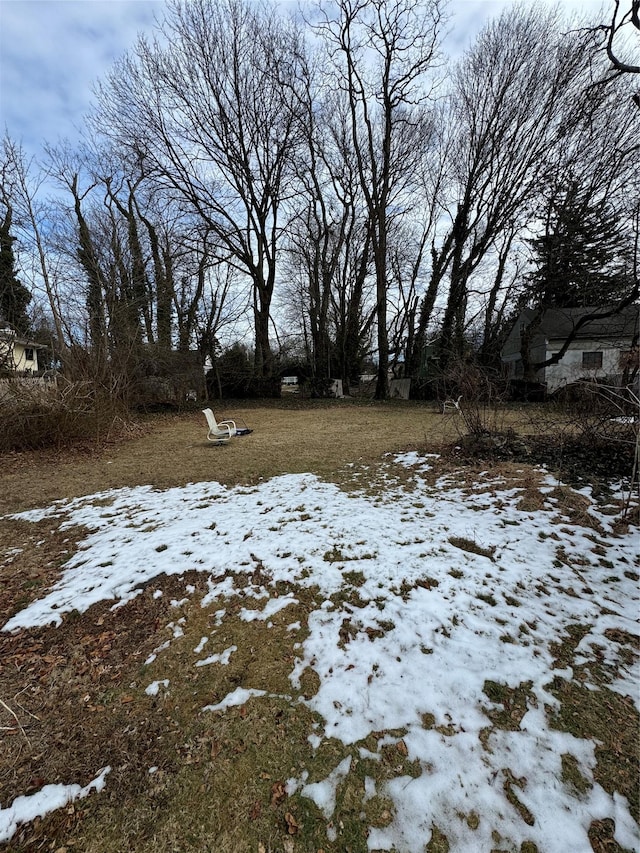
452 404
220 433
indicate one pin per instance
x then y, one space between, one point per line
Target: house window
592 360
28 354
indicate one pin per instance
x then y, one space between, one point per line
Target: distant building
605 349
18 355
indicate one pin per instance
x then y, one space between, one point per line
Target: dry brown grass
77 691
171 450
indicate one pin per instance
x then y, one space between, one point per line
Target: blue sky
53 51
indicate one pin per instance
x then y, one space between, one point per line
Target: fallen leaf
288 845
261 847
256 810
278 793
292 824
402 748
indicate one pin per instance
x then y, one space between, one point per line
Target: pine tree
14 296
580 258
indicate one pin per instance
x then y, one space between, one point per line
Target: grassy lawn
329 635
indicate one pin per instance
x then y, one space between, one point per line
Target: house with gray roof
601 348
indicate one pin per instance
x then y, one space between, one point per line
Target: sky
53 51
444 586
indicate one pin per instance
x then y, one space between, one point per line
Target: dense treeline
335 185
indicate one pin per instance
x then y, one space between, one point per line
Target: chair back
211 420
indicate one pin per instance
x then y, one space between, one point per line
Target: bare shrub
605 416
36 416
482 395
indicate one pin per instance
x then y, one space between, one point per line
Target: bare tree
329 245
382 51
512 125
588 216
620 25
509 117
203 105
32 218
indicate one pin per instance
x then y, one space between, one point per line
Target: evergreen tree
14 296
580 258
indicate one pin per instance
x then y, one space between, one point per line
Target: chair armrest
226 422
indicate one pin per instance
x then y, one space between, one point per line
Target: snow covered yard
457 656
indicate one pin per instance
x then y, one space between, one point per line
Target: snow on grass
273 606
47 799
239 696
427 592
323 793
203 642
154 688
222 658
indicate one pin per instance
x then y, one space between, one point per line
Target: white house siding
612 336
570 368
22 363
513 363
13 353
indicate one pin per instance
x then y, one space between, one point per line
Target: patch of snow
323 793
223 658
273 606
154 654
47 799
239 696
201 645
154 688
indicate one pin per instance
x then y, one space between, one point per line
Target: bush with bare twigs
36 416
605 418
481 395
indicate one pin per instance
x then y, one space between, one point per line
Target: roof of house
10 335
560 322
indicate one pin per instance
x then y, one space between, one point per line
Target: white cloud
52 52
51 55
